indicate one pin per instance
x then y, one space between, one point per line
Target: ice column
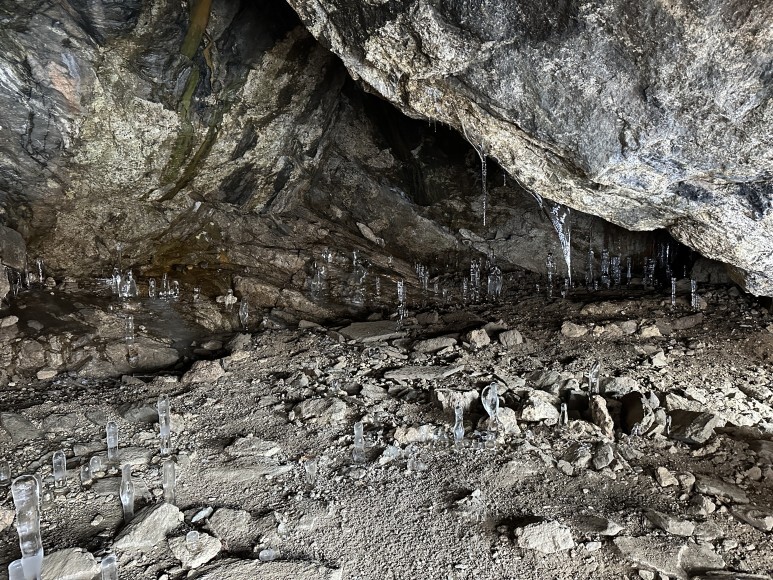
127 493
168 476
594 377
109 567
26 499
244 313
358 453
112 440
164 423
490 400
59 462
695 299
550 266
458 423
129 334
5 474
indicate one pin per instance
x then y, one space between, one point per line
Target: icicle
558 217
550 266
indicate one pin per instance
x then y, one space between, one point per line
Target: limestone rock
323 410
756 516
19 428
6 518
510 338
203 371
427 373
434 344
237 529
208 548
478 338
718 488
572 330
69 564
277 570
149 528
692 427
670 524
540 406
601 417
546 537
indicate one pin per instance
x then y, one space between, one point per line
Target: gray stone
276 570
687 322
323 410
253 447
756 516
694 428
149 528
540 406
208 548
60 422
720 489
665 478
546 537
138 413
377 331
13 250
237 529
434 344
478 338
203 371
670 524
8 321
19 428
572 330
701 506
6 518
69 564
603 455
46 374
601 417
510 338
578 456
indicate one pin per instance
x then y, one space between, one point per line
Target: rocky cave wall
239 161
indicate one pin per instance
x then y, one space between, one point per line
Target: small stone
692 427
19 428
540 406
236 528
208 547
649 331
545 537
659 360
325 411
203 371
701 506
510 338
46 374
434 344
478 338
601 417
572 330
665 478
670 524
603 455
6 518
8 320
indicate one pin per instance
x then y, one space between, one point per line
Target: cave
386 289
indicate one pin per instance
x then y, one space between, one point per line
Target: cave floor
543 500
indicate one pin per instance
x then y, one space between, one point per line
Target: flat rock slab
669 557
434 344
694 428
208 547
69 564
237 529
718 488
19 428
149 528
545 537
670 524
428 373
253 447
277 570
377 331
597 525
756 516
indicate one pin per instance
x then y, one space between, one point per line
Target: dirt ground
534 499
